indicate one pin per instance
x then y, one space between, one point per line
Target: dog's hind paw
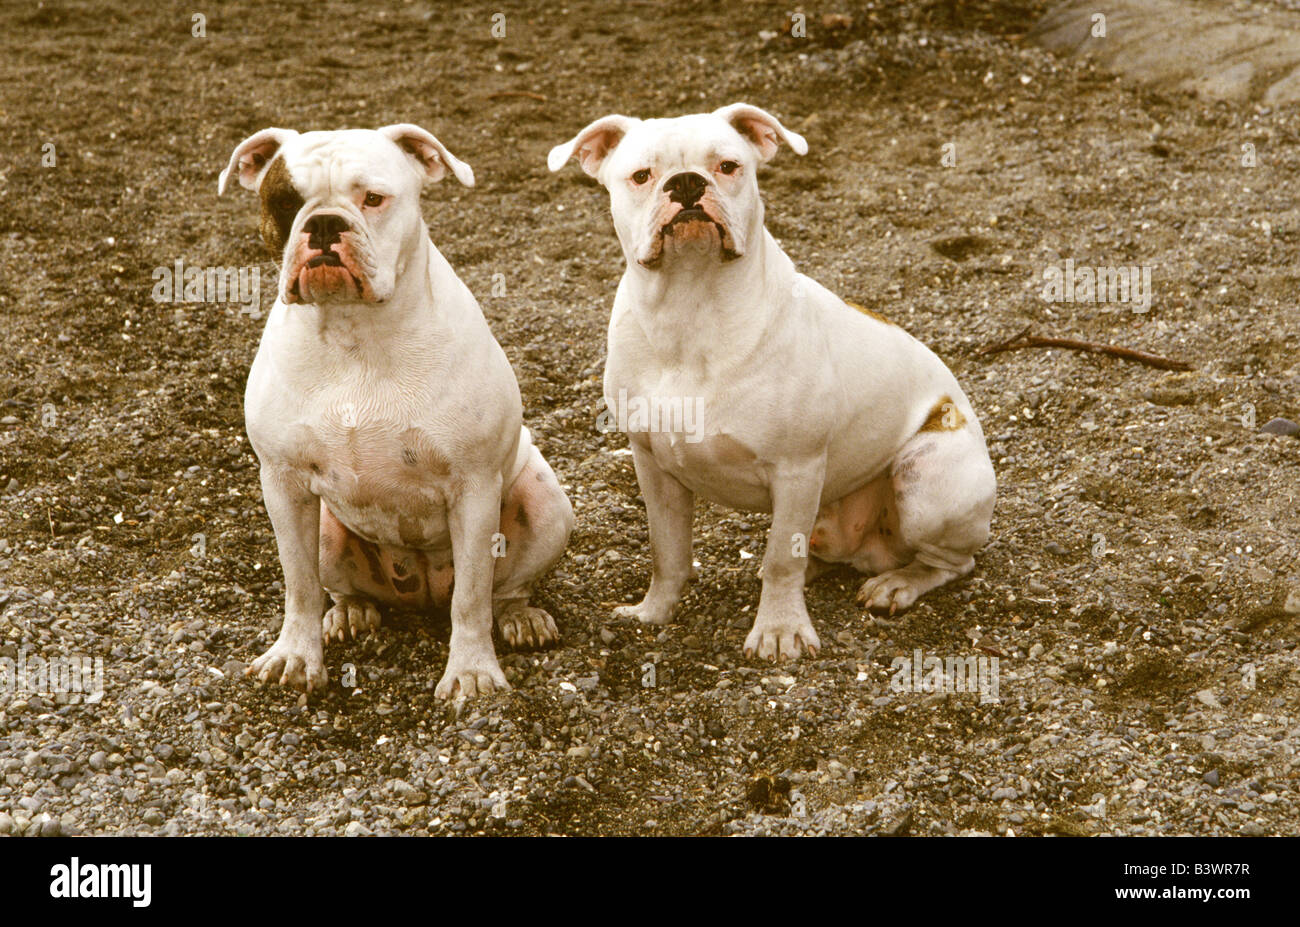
523 627
352 615
895 591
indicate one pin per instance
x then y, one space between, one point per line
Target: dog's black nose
685 188
324 230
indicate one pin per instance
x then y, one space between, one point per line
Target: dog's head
684 187
341 210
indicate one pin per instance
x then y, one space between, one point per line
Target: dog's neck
689 305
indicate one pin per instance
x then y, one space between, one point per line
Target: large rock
1201 47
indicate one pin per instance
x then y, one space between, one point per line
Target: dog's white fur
386 398
814 411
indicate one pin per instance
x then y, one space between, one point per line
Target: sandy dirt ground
1140 591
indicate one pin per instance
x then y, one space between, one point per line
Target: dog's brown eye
641 176
728 167
373 199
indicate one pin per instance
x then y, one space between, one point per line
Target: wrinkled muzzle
326 262
702 227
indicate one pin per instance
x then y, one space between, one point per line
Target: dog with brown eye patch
852 433
392 478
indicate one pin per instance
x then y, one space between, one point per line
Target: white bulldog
386 418
849 431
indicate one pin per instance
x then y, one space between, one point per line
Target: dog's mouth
690 225
327 275
329 258
691 214
311 285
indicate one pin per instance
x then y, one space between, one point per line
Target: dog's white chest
718 467
382 477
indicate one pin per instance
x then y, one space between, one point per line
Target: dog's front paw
646 612
523 627
782 638
292 663
351 615
470 676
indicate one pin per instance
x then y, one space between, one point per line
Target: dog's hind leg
536 519
943 488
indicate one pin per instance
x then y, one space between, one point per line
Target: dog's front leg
472 666
297 658
669 507
782 627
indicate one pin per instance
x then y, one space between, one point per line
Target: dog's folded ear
430 155
762 129
592 145
251 157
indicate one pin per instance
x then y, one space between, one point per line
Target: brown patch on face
280 204
875 315
945 416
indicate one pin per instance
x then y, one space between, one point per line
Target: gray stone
1280 426
1207 48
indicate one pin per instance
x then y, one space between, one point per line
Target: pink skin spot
862 528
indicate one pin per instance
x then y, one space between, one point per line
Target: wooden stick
517 93
1023 339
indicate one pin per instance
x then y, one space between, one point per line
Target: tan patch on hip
945 416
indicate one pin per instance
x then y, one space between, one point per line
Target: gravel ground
1141 591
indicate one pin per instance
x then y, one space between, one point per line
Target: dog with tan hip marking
851 433
386 419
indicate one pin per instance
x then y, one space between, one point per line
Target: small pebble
1206 697
1280 426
